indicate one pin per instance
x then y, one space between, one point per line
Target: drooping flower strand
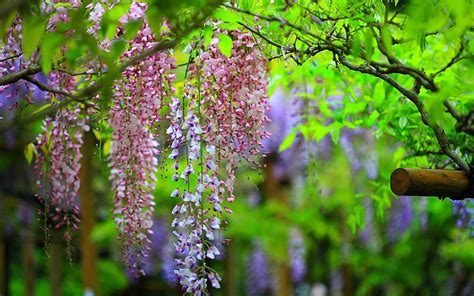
57 167
219 122
235 98
137 101
186 131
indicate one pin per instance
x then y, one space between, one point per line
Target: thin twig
14 77
11 57
262 36
452 110
47 88
457 57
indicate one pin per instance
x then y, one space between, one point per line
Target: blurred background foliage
318 218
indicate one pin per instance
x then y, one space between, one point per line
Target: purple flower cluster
464 211
12 61
218 123
137 102
258 280
401 216
297 256
362 155
286 113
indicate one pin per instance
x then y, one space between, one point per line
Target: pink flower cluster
137 101
57 166
236 102
218 123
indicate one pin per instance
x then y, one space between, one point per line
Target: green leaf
402 122
368 43
45 106
373 118
289 140
356 45
379 94
422 41
106 148
207 35
225 44
226 15
335 132
387 38
131 29
155 19
6 22
29 151
110 20
49 48
356 218
33 31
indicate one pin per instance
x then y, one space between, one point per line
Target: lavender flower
258 279
464 211
297 255
401 216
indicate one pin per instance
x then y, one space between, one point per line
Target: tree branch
47 88
453 61
413 97
94 89
14 77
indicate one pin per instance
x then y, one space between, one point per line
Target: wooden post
274 191
424 182
88 248
3 264
28 252
56 268
230 276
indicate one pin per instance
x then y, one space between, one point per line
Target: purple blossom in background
159 239
286 113
401 216
253 199
325 147
423 213
258 279
297 256
168 262
369 155
464 211
346 141
11 94
367 233
161 256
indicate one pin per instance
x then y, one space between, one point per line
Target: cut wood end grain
425 182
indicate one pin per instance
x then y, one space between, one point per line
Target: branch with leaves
103 80
336 35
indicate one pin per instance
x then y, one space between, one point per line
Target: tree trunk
88 248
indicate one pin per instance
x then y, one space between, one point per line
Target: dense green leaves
225 44
33 31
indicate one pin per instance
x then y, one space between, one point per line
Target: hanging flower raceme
57 167
219 122
137 102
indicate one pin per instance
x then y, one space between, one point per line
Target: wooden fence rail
424 182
